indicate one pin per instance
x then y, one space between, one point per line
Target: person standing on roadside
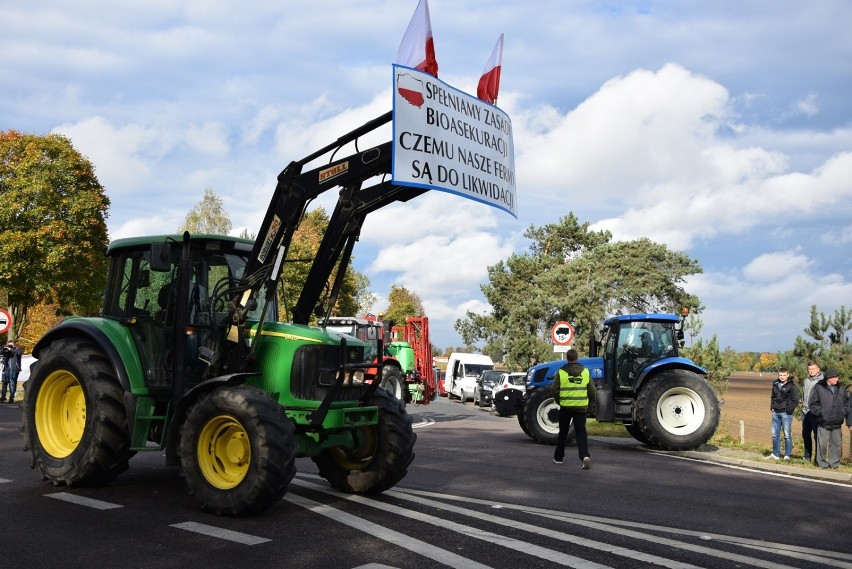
829 403
11 355
782 403
809 425
573 390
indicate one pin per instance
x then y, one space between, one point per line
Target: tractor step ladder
145 420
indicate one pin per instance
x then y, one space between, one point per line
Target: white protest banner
447 140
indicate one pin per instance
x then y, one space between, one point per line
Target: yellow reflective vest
572 387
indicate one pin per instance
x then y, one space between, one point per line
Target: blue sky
723 129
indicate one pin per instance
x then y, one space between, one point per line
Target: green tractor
189 358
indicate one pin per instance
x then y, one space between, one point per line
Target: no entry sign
5 321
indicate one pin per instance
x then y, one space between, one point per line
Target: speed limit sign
5 321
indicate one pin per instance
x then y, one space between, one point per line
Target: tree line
53 234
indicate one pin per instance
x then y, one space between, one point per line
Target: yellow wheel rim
224 452
366 441
60 413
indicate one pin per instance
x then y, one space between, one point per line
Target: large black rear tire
74 420
635 432
677 410
522 421
541 415
237 451
382 454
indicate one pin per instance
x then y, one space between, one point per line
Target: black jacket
785 397
829 408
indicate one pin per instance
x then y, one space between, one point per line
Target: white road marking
553 534
802 553
423 423
221 533
492 538
406 542
83 501
4 480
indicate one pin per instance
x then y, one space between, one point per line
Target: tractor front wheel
677 410
381 455
392 381
237 451
74 419
541 416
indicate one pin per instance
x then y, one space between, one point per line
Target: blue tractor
663 400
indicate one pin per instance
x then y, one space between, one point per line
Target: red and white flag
489 83
417 49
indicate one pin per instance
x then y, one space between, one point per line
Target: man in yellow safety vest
573 389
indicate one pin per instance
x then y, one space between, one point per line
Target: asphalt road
479 494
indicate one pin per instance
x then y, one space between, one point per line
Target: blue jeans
779 419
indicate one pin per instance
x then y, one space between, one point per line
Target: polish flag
417 49
489 83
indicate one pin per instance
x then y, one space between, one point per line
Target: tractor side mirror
160 259
680 340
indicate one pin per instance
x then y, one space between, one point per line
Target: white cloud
122 155
156 225
775 266
767 304
654 125
209 138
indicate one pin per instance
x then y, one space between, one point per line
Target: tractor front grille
315 370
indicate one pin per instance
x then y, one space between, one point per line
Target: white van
462 371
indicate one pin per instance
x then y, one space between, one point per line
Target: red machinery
416 333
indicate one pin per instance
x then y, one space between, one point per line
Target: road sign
562 334
5 321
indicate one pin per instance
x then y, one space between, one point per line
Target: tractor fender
666 364
185 402
86 328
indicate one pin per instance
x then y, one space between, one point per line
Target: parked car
507 395
462 370
484 384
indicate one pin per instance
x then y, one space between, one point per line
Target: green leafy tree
364 299
828 344
575 274
402 303
52 227
303 249
719 364
208 216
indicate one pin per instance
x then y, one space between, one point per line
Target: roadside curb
750 461
753 464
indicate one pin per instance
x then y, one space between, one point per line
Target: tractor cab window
135 287
147 299
639 344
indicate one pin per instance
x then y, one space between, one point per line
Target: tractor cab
174 307
632 345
